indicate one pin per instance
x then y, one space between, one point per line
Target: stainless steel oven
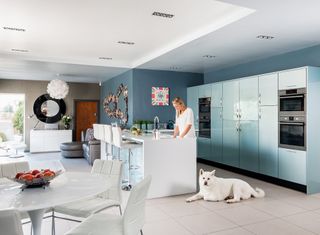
292 102
292 132
205 117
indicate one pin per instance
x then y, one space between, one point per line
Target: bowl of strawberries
35 178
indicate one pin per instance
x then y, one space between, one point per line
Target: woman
184 120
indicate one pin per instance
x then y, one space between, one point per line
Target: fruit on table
35 172
19 174
27 177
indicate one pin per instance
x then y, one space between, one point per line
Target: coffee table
68 187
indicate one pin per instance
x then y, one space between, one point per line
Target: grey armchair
90 146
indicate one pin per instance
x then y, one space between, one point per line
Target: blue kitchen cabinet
268 140
248 94
204 148
292 165
216 97
231 100
216 134
192 102
249 145
268 89
230 152
205 91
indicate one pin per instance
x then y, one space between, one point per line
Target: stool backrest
96 131
108 134
10 222
112 169
10 169
134 215
116 136
101 132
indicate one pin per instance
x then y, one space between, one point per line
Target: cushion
89 135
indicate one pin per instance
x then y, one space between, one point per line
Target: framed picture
160 96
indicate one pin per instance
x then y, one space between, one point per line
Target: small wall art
160 96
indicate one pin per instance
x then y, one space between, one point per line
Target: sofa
90 146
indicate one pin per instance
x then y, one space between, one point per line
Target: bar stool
96 131
108 140
128 145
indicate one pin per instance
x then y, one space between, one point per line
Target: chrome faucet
156 132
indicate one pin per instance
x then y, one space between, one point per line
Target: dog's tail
258 193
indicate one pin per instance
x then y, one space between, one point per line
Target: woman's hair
179 101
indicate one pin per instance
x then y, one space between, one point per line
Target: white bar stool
129 145
96 131
108 140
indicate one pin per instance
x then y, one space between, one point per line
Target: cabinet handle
259 98
291 151
221 101
291 86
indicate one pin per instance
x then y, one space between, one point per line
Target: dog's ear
213 172
201 172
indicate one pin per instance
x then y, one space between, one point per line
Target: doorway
86 113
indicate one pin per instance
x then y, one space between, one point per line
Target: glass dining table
65 188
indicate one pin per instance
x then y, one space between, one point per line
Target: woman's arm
186 130
176 131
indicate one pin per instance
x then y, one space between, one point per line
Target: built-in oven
292 132
292 102
205 117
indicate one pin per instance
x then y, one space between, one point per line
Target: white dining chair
10 169
96 130
110 198
131 223
10 222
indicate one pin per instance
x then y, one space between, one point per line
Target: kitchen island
172 163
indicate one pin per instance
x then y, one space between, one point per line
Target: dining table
65 188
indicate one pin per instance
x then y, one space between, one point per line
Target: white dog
213 188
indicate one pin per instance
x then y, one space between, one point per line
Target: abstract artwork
160 96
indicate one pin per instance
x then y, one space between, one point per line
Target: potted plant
137 124
66 120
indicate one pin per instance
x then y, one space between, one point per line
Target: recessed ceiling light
14 29
209 56
175 68
161 14
265 37
19 50
105 58
126 43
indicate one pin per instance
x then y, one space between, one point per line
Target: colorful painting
160 96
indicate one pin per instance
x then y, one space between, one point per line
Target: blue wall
139 82
144 80
308 56
111 86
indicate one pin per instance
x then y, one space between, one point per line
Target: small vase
66 126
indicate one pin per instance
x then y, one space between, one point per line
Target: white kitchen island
172 163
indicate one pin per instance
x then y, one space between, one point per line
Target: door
192 102
204 148
248 109
268 140
292 165
268 89
205 91
293 79
249 150
230 143
216 135
231 100
86 113
216 100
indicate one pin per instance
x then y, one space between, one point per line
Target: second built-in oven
292 132
205 117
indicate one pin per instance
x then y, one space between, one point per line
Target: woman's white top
185 119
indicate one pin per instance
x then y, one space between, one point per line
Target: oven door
292 135
204 129
292 104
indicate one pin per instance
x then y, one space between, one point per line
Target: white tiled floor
282 211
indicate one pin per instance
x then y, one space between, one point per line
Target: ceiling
78 40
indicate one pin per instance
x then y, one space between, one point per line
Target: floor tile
307 202
182 208
213 206
276 227
235 231
166 227
205 223
153 213
275 208
308 220
244 215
